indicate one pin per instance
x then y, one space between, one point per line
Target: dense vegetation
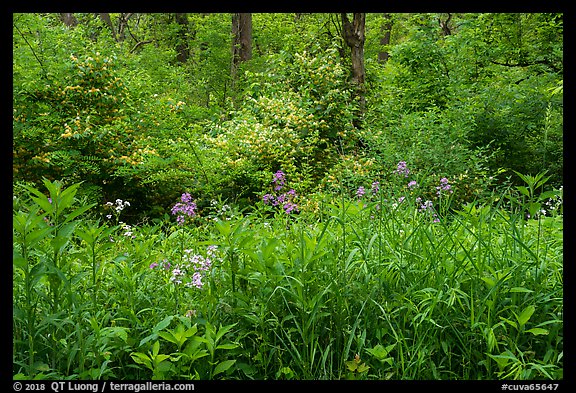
176 220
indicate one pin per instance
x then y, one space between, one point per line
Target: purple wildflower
279 180
375 187
177 275
361 191
268 198
286 200
426 206
444 186
184 208
401 169
289 207
197 280
412 184
280 199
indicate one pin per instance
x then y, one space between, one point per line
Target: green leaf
43 203
36 235
548 194
520 289
538 331
227 346
223 366
66 197
542 181
533 208
78 211
163 323
489 281
142 358
523 190
168 336
491 339
18 260
525 315
160 358
115 331
379 352
351 365
155 349
501 361
511 323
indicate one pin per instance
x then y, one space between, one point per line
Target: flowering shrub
74 127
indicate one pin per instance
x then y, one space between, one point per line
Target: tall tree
354 37
385 30
123 24
182 48
241 40
241 45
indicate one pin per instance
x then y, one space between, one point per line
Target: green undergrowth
365 287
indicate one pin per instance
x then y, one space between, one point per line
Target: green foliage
296 120
133 120
74 129
369 287
428 238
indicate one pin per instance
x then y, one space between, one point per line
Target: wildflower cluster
193 268
554 204
427 206
373 190
117 207
444 186
221 211
423 207
401 169
286 199
127 230
164 264
183 209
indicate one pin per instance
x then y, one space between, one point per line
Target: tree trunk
353 34
385 30
182 48
122 24
242 39
69 19
106 19
241 44
445 25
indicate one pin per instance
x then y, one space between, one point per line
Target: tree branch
527 64
140 44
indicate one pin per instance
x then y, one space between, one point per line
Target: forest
287 196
